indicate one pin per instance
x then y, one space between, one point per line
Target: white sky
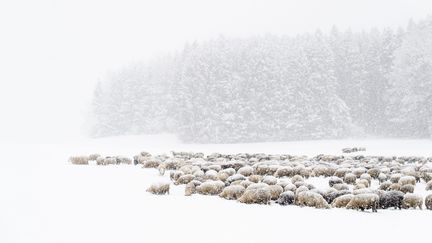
53 52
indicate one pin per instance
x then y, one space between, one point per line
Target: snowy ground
44 199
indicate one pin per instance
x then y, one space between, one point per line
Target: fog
52 53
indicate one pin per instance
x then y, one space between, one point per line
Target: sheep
159 188
407 188
123 160
290 187
93 156
366 177
385 186
211 188
110 161
394 187
236 177
228 171
405 180
363 191
394 178
161 169
341 172
428 186
428 202
269 180
284 171
232 192
391 199
412 200
374 172
342 201
175 175
359 171
151 163
301 189
286 198
350 178
331 194
311 199
275 191
211 175
246 183
217 168
245 171
184 179
365 182
79 160
191 187
334 180
255 178
364 201
341 186
222 176
296 178
259 196
382 177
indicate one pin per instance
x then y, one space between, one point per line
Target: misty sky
53 52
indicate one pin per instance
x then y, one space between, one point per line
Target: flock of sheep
354 182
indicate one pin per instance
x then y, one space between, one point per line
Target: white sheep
405 180
412 200
286 198
311 199
79 160
270 180
211 188
284 171
232 192
364 201
342 201
159 188
260 195
275 191
246 171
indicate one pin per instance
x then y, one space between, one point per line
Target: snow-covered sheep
334 180
255 178
246 183
110 161
79 160
365 182
260 195
342 201
217 168
350 178
211 175
161 168
394 187
151 163
286 198
331 194
321 170
364 201
382 177
284 171
412 200
391 199
296 178
94 156
408 188
211 188
275 191
385 186
341 172
236 177
245 171
290 187
301 189
311 199
428 202
394 178
222 176
341 186
123 160
228 171
405 180
191 187
363 191
367 177
270 180
374 172
184 179
232 192
100 160
283 182
175 175
159 188
359 171
428 186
